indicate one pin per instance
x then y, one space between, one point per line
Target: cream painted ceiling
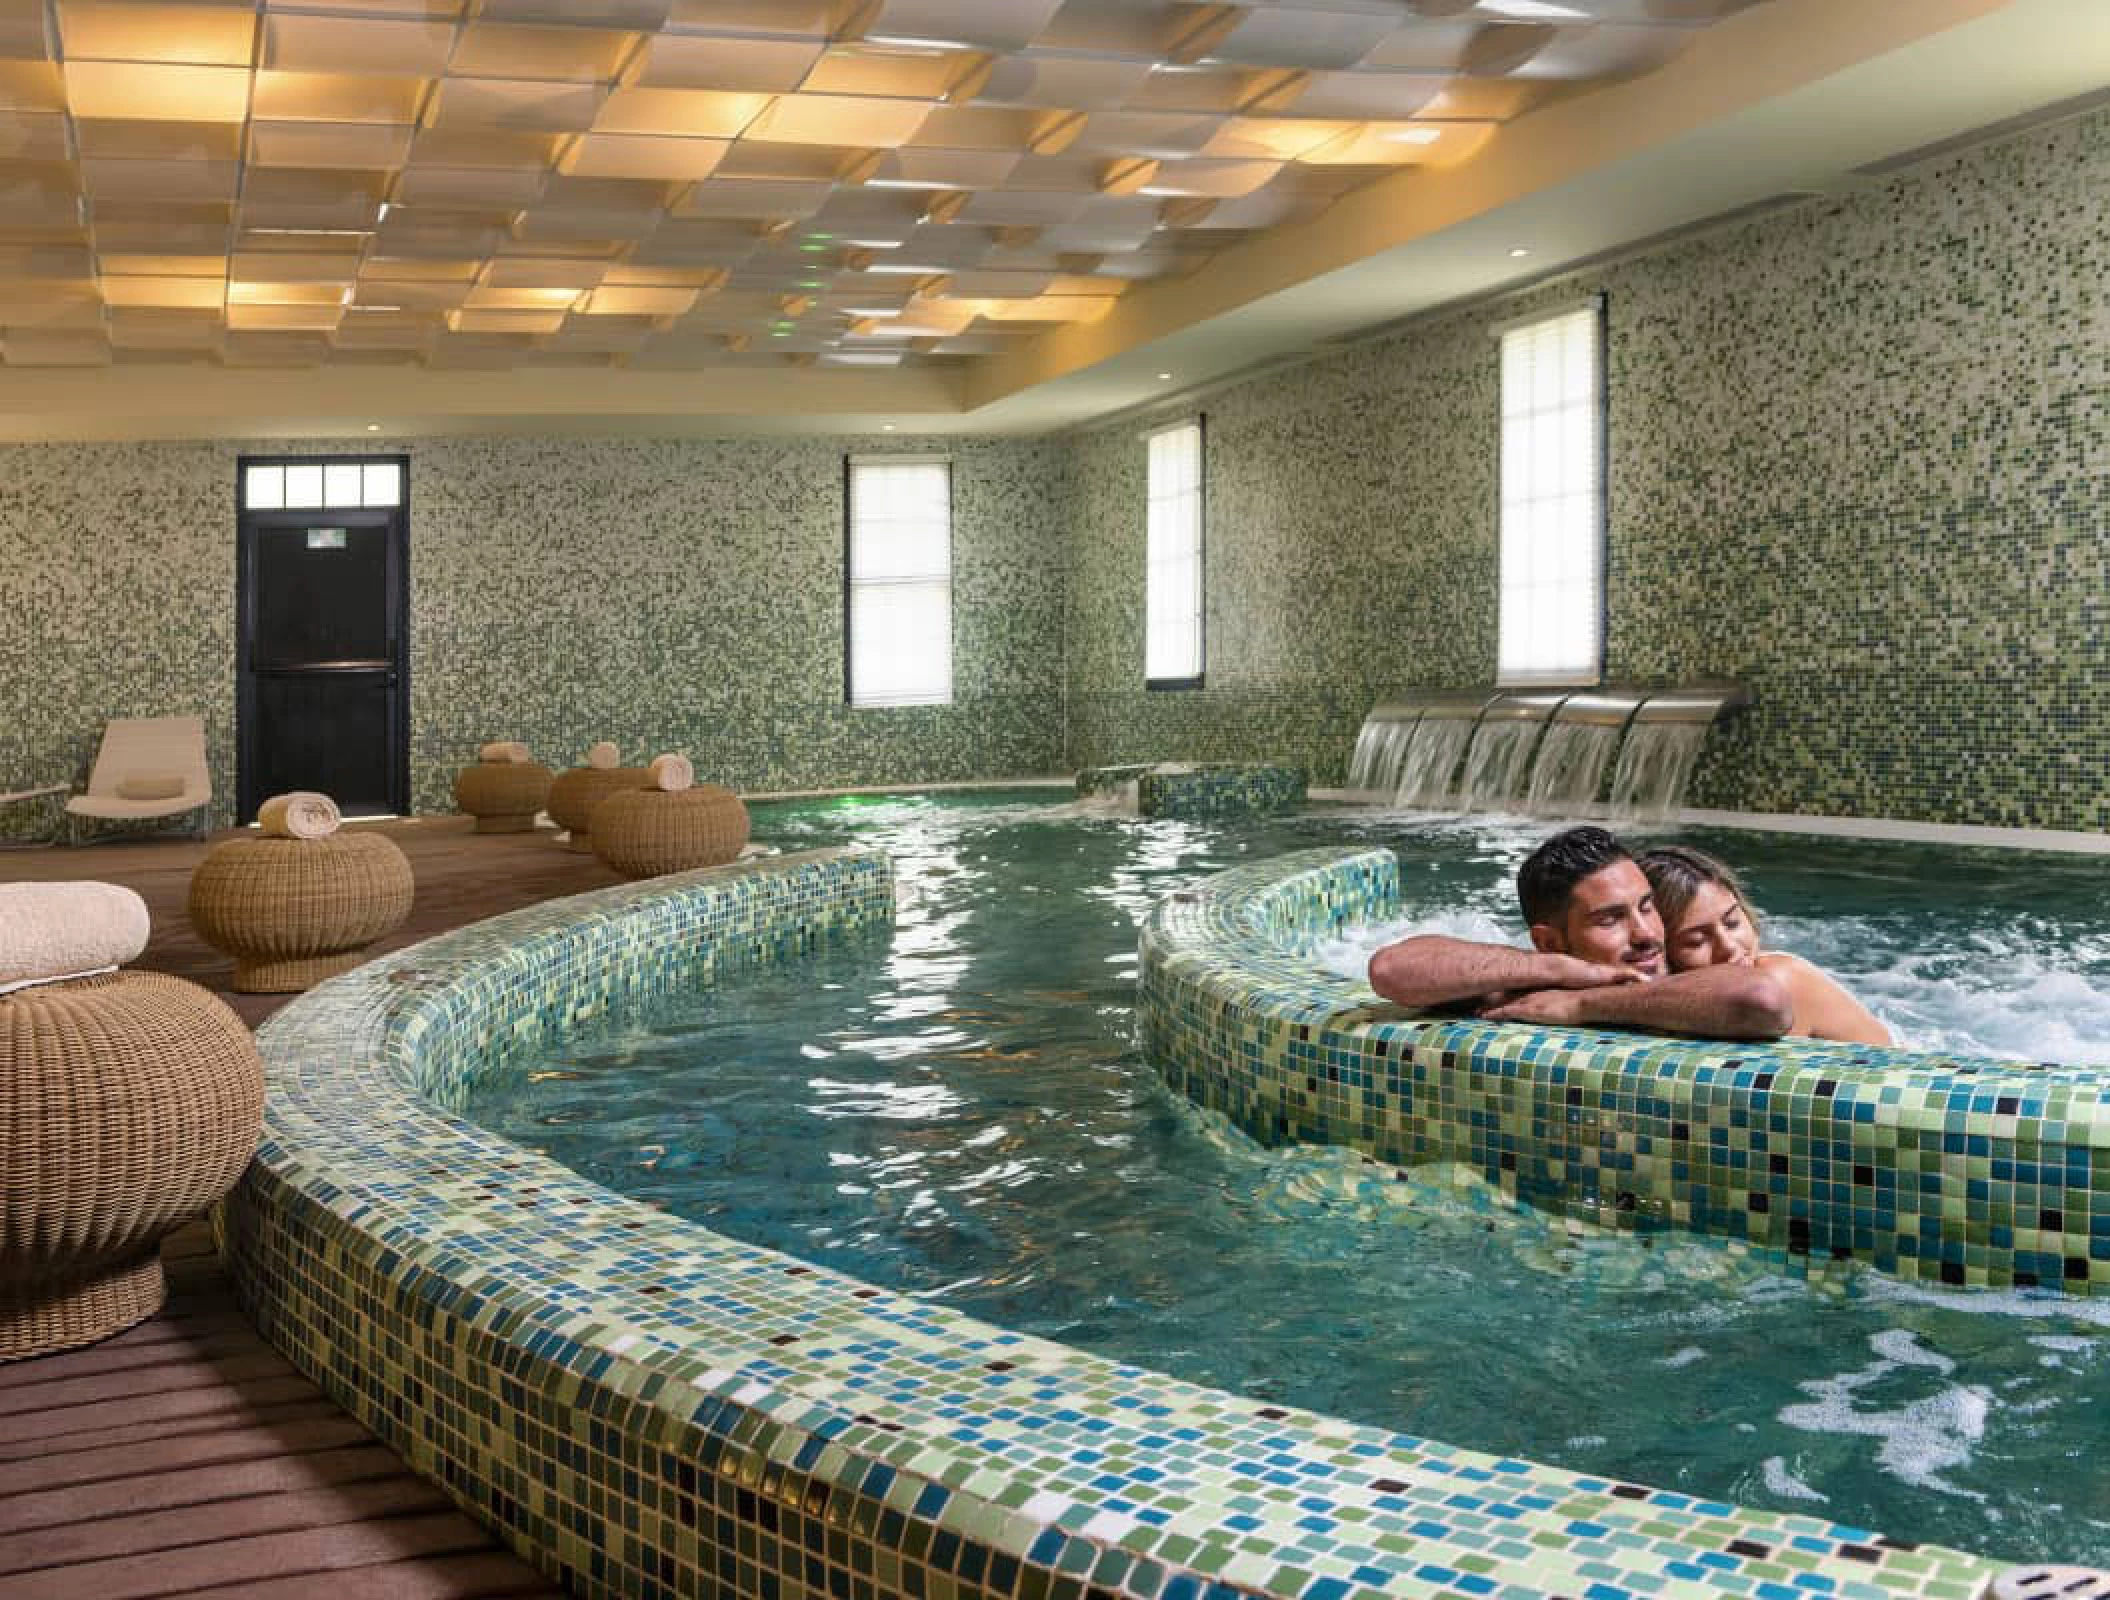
669 185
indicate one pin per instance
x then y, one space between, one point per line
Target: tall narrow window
900 581
1552 613
1172 648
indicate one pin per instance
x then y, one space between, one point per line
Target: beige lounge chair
140 758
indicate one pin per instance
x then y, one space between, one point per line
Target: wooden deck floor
186 1457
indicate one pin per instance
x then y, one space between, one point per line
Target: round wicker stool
503 796
575 792
128 1104
645 832
295 911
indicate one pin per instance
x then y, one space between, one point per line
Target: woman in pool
1707 922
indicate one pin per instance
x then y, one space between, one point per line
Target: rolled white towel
63 930
503 751
302 814
673 773
604 755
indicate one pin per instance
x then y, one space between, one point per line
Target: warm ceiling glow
182 35
839 120
131 90
513 181
694 113
629 155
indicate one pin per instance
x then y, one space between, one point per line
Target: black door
324 685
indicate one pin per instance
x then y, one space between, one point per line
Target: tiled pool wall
1217 789
648 1409
1958 1171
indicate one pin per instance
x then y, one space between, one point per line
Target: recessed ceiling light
1164 377
1519 251
886 427
373 427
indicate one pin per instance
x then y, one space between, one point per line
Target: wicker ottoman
503 796
128 1104
645 832
295 911
577 791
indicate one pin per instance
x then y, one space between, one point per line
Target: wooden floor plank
175 1373
153 1487
311 1405
321 1426
316 1551
128 1411
489 1575
177 1527
173 1343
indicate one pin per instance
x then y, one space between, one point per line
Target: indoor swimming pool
956 1109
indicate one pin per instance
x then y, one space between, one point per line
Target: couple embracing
1665 941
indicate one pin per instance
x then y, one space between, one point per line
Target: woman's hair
1676 873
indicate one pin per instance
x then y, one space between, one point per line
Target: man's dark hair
1547 879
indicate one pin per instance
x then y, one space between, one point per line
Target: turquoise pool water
958 1111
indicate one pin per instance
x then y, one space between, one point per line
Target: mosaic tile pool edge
1212 789
645 1408
1966 1172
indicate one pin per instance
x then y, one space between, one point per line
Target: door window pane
383 484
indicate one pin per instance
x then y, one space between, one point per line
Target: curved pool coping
1955 1170
646 1408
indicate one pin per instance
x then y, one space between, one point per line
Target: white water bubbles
1348 954
1920 1437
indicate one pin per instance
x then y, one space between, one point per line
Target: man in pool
1596 958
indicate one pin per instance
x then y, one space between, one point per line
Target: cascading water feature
1662 744
1428 761
1498 766
1545 752
1380 745
1568 775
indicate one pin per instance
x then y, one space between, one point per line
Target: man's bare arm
1724 1002
1432 969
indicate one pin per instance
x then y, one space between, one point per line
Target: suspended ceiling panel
525 183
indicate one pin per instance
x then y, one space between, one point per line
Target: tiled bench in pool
1959 1171
1213 789
646 1408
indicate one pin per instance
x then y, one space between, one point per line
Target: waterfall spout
1568 776
1498 767
1662 746
1546 752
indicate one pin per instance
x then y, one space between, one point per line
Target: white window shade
1173 572
1552 541
900 589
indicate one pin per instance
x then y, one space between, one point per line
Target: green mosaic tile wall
665 594
1856 462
